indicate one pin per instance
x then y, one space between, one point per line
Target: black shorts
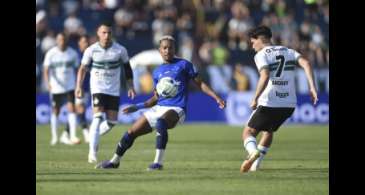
269 118
59 99
108 102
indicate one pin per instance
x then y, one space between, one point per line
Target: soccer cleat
54 141
255 165
246 165
106 164
92 158
64 139
154 166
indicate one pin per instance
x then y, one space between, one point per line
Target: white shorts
83 100
157 111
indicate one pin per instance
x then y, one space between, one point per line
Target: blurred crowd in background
212 34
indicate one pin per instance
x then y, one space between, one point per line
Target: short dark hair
260 31
105 23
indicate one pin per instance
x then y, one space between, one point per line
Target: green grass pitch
200 159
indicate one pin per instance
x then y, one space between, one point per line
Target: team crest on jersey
96 100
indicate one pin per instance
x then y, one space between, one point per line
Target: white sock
104 127
72 121
250 144
263 150
54 126
159 156
115 159
94 134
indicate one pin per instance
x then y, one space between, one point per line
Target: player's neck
264 45
105 45
169 61
62 48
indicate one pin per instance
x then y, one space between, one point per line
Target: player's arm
80 80
129 79
147 104
46 76
304 63
206 89
261 85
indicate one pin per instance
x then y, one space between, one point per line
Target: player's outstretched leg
263 147
249 140
167 121
140 127
161 142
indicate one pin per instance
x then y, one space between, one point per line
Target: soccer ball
166 87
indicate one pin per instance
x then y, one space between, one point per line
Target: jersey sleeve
87 57
296 54
261 61
191 70
124 55
47 59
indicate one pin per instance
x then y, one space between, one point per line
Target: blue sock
125 143
162 135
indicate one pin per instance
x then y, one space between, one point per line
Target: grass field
200 159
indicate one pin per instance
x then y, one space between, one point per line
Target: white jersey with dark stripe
62 66
280 90
105 67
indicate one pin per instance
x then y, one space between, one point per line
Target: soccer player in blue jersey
164 113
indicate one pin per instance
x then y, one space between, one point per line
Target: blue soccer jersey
182 71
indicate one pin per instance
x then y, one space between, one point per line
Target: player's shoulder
182 61
119 46
93 46
52 50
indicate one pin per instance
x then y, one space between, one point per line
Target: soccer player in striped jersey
275 97
165 112
105 58
81 103
60 65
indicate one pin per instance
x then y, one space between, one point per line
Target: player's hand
221 103
253 104
131 93
129 109
314 96
79 92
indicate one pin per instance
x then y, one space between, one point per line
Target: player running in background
105 59
275 97
81 103
60 63
164 113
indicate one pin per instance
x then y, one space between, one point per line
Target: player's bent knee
171 118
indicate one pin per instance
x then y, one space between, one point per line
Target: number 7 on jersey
280 68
